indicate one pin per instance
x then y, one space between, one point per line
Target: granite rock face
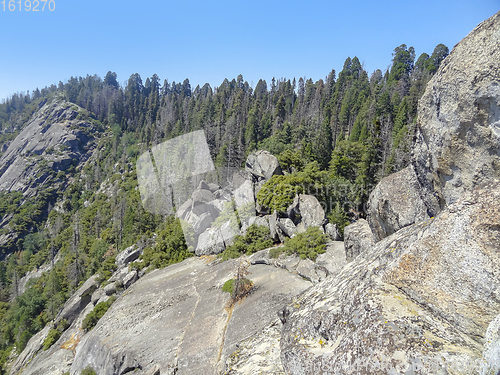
491 355
420 300
56 135
175 320
457 142
259 354
458 137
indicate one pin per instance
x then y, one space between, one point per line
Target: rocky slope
420 299
173 321
56 137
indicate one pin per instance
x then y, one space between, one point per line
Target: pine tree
77 269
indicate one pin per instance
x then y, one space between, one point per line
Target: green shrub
240 286
278 193
62 325
308 244
107 268
23 341
275 252
338 217
228 286
51 338
55 333
256 238
170 247
88 371
99 310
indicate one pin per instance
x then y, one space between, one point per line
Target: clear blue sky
207 41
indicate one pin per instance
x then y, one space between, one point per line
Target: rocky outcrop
457 143
420 300
263 165
210 225
358 237
458 137
128 255
395 203
491 355
327 264
78 301
54 137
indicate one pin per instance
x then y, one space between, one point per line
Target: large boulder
263 165
420 301
128 255
287 226
216 238
306 209
358 237
210 242
333 259
332 231
78 301
395 203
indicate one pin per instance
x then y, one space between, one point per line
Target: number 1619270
28 6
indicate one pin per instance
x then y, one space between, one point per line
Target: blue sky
207 41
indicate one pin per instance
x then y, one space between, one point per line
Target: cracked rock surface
175 320
421 300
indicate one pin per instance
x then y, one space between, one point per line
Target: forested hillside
344 133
